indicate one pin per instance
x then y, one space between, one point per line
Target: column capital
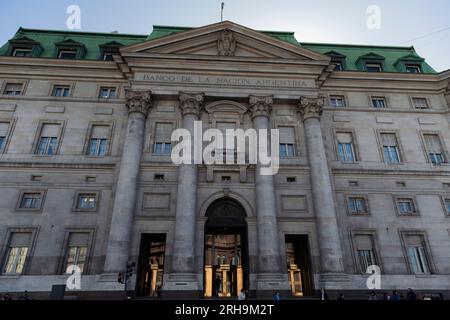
311 107
261 105
191 103
138 100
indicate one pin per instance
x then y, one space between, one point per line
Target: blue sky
313 20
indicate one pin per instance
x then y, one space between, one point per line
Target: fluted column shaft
118 250
323 200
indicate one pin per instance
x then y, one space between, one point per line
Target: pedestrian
411 295
7 297
277 296
395 295
341 297
373 296
217 284
242 295
323 295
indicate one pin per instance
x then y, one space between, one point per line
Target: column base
333 281
181 286
269 283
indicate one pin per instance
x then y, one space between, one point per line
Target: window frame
24 84
91 230
355 147
372 63
357 267
338 96
379 97
414 213
9 133
37 138
56 86
109 88
87 142
404 234
42 193
62 51
78 193
154 138
427 101
444 206
416 65
401 156
15 49
445 154
34 230
348 197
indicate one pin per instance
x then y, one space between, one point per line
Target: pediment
225 39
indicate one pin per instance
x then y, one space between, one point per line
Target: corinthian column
138 104
183 276
270 272
324 208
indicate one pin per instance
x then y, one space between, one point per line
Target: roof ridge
87 33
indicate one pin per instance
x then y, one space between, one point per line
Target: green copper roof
91 42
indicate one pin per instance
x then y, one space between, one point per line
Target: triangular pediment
224 39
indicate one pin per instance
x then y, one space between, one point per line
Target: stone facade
223 73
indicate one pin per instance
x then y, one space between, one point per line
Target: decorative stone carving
138 100
311 107
226 45
191 103
260 105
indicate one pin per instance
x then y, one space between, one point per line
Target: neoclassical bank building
88 184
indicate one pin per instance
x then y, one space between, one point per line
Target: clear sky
422 23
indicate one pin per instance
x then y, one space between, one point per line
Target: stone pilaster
182 280
118 250
324 206
270 271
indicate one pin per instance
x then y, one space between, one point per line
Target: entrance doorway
225 255
299 265
150 269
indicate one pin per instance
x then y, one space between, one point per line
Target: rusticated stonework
261 105
191 103
138 100
311 107
226 45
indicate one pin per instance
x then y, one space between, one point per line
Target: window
108 56
434 149
379 102
357 205
77 249
61 91
374 67
4 129
338 65
337 101
417 254
413 68
447 206
163 144
420 103
13 89
87 201
21 52
346 150
406 206
226 178
48 141
287 142
390 148
31 200
223 127
17 252
107 92
365 251
291 179
98 142
67 54
158 177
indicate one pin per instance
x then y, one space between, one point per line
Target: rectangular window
417 254
77 249
447 206
98 142
390 148
374 67
21 52
108 56
87 201
163 144
365 251
223 127
337 101
420 103
406 206
107 92
346 150
31 200
434 149
379 102
13 89
413 68
287 142
4 129
338 66
48 141
61 91
67 54
17 251
357 205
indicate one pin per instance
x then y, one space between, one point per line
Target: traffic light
130 269
120 278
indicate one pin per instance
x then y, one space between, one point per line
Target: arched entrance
226 252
